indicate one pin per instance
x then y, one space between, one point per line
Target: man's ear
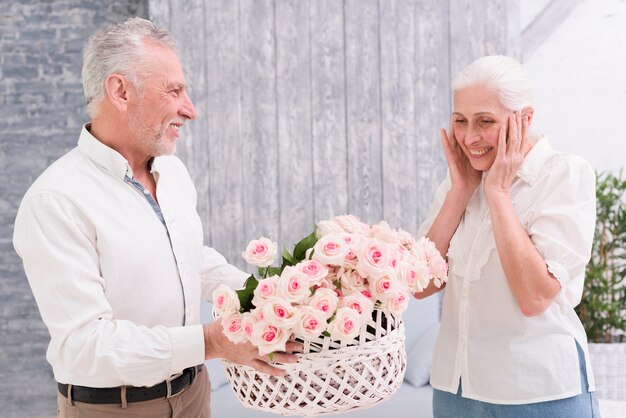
528 111
116 90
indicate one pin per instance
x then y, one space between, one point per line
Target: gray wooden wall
41 112
313 108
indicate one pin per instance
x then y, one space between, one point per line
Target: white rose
225 301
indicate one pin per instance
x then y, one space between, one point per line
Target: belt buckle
168 384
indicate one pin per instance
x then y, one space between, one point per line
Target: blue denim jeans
585 405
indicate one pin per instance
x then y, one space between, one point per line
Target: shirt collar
534 160
103 155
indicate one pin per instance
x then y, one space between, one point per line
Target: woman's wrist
460 197
496 194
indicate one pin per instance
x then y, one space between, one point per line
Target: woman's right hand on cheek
465 179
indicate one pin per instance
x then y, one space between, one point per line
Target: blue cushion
419 316
420 356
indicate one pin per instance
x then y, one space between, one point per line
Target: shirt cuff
559 272
187 347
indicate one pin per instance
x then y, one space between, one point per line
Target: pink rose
351 281
293 285
424 249
232 328
260 252
314 270
414 274
384 286
359 302
269 338
385 233
248 321
327 227
266 289
352 225
225 301
345 223
438 268
373 258
406 239
331 249
325 300
397 304
346 325
311 323
279 312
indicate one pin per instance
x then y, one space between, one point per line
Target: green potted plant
603 306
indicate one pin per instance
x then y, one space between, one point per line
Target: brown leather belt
166 389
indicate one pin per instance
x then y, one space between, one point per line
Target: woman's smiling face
477 118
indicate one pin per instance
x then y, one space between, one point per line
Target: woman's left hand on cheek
510 154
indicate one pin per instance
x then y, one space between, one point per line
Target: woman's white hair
503 75
118 49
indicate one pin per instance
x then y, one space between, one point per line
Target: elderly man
112 244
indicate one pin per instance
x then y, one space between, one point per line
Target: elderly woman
516 219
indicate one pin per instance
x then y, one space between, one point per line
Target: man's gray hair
118 49
503 75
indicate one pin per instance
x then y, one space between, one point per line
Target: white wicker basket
609 370
330 377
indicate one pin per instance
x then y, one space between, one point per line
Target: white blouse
499 355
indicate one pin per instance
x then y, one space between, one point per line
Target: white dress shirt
499 355
119 292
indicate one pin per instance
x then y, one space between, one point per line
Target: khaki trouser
192 402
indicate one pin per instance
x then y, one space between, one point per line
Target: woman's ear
116 90
528 111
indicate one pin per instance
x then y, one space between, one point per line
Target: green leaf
287 258
326 334
299 252
247 294
273 271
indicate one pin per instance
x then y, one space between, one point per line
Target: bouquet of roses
329 286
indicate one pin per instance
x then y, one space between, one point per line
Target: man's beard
154 143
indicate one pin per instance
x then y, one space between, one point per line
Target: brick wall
41 112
